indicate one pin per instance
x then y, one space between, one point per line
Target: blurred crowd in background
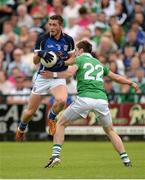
116 29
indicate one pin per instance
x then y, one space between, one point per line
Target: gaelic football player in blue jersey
63 46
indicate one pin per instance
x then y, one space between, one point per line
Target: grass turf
80 160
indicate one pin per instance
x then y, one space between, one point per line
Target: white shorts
83 105
41 86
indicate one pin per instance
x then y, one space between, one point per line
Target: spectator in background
15 73
73 29
142 59
110 90
98 34
139 78
21 93
72 9
114 57
120 15
128 8
134 66
14 21
84 18
2 66
132 41
24 35
91 5
33 35
58 9
93 18
41 6
140 33
8 34
27 57
139 17
128 54
107 46
8 49
118 35
37 26
24 68
6 10
24 19
5 85
108 7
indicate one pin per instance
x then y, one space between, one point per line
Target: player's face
78 51
54 27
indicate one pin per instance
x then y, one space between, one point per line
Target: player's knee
108 129
61 101
63 122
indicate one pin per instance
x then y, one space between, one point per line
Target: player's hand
45 55
61 63
135 86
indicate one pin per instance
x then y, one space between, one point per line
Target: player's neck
57 37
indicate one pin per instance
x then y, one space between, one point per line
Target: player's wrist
55 75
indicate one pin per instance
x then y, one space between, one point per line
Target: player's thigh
34 102
101 108
59 92
79 108
106 120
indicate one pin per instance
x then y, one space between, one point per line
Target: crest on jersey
65 47
50 46
58 47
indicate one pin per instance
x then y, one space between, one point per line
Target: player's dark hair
85 45
58 18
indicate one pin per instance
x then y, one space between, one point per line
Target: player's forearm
49 75
36 59
123 80
64 74
119 79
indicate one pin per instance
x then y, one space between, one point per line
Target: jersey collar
61 35
86 54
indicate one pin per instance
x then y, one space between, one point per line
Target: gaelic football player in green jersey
91 96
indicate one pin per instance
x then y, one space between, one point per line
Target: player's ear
81 50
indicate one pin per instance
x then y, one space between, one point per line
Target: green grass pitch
80 160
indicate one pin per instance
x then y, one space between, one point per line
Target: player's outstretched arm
123 80
64 74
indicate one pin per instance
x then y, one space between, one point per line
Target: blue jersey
62 47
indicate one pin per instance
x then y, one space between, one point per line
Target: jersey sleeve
71 44
78 62
39 43
106 70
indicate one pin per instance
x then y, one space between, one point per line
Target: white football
51 63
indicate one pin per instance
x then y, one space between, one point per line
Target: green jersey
89 77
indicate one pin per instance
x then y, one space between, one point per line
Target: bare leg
60 94
60 130
27 115
118 145
33 104
115 139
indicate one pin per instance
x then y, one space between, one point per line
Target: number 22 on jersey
97 69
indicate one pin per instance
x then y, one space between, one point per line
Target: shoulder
66 36
43 36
